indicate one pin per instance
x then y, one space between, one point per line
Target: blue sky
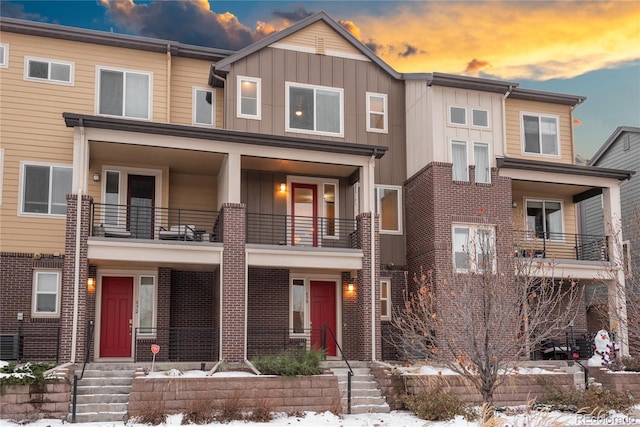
584 48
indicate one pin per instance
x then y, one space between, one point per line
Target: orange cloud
476 65
577 122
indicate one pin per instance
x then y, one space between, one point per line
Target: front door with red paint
116 317
323 310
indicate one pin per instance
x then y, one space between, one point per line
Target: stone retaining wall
619 381
173 395
27 402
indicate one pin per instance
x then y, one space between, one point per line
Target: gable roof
225 64
611 140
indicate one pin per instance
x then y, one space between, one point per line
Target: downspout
504 120
76 278
168 83
224 96
373 258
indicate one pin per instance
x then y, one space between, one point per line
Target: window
460 170
203 110
480 118
48 70
146 305
385 299
312 109
540 134
482 162
627 267
389 207
46 294
376 112
626 143
111 197
544 219
473 247
329 210
4 55
249 97
45 189
124 94
298 302
458 115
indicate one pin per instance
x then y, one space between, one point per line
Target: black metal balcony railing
580 247
177 344
146 222
287 230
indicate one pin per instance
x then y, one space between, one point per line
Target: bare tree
479 322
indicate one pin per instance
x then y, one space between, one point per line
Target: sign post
155 348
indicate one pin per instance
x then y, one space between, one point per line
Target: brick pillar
233 282
164 312
364 297
68 280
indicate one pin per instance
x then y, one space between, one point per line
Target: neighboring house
231 204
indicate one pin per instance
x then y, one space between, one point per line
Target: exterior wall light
283 187
96 177
91 285
350 287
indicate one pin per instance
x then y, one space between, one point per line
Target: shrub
626 363
27 374
152 413
262 411
231 409
199 412
592 400
435 404
290 363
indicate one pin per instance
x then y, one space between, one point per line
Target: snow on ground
393 419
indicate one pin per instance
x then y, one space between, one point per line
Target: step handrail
326 328
89 341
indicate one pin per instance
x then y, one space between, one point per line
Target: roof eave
563 168
550 97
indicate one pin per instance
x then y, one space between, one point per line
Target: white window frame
473 124
22 183
531 234
398 190
287 106
34 294
307 318
473 230
154 317
194 112
540 116
385 301
258 82
466 150
384 114
27 77
4 58
475 163
100 68
449 119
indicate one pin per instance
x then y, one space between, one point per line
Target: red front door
323 310
116 318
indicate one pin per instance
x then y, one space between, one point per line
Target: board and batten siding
513 124
32 128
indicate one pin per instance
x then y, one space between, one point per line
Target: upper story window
45 189
473 247
460 169
385 299
124 93
480 118
458 117
46 293
248 98
389 207
482 161
377 112
48 70
4 55
540 134
314 109
544 219
203 107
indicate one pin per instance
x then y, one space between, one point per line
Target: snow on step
366 395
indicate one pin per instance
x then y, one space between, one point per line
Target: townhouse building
231 204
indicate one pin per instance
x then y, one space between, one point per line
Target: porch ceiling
179 161
559 190
296 167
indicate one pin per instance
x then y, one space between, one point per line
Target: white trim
125 171
312 49
303 257
71 65
21 189
451 122
137 307
346 55
288 85
1 173
385 112
293 47
258 82
398 189
536 199
194 112
522 134
4 59
34 293
472 230
100 68
130 250
387 300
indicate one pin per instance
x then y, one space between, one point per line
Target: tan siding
193 192
514 108
186 74
568 209
306 38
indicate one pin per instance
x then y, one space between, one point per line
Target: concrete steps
103 393
366 396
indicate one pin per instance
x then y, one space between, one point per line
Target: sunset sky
589 48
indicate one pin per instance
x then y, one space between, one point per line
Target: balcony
561 246
153 223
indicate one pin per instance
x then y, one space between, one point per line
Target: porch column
368 290
616 292
229 179
67 293
233 295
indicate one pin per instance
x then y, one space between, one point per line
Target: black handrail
326 328
89 341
